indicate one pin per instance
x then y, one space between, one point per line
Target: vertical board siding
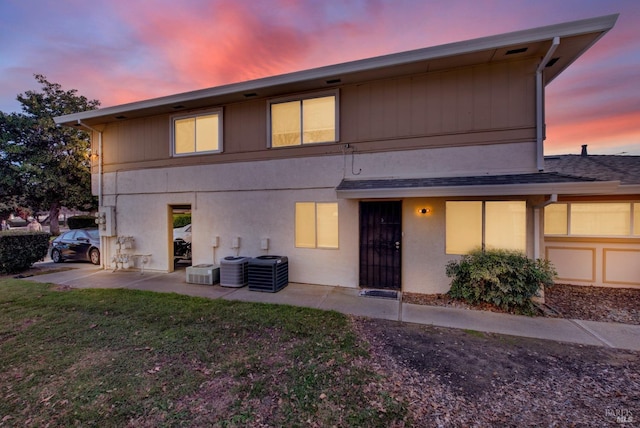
435 110
480 98
362 113
418 117
238 136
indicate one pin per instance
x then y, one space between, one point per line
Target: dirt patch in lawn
468 378
455 377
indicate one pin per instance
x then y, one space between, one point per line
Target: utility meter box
106 221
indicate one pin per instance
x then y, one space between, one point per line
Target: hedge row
180 220
19 250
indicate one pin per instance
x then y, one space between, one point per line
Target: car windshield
93 233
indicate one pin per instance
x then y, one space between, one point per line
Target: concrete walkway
349 301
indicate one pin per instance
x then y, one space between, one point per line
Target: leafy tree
45 165
10 184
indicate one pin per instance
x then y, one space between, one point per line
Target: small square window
197 134
316 225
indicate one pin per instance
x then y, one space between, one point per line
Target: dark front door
380 242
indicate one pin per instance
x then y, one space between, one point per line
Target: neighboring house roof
625 169
575 38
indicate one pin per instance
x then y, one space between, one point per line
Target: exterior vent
552 62
203 274
516 51
268 273
234 271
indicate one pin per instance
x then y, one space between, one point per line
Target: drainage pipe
84 125
540 124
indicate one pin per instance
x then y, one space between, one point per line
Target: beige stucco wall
600 262
423 246
323 171
256 200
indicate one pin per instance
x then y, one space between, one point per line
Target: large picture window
592 219
316 225
196 134
311 120
485 224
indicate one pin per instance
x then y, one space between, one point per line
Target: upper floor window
303 120
197 133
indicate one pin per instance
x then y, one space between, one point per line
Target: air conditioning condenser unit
234 271
268 273
205 274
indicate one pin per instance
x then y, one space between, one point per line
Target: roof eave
628 189
598 24
588 188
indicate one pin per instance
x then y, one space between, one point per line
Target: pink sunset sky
119 51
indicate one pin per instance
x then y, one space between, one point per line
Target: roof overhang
633 189
377 189
575 38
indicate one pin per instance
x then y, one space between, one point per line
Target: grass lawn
132 358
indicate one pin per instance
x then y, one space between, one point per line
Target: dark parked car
78 244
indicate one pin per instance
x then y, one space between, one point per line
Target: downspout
540 134
84 125
536 224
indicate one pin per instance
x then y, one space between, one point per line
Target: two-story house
372 173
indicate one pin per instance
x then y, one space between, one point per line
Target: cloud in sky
124 51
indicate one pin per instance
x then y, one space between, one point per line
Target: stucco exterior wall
323 171
595 262
256 200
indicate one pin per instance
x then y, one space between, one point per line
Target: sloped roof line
585 26
498 185
482 180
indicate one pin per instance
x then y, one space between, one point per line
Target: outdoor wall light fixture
424 211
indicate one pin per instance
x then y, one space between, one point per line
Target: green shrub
82 222
181 220
19 250
507 279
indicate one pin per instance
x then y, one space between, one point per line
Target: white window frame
335 93
216 111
